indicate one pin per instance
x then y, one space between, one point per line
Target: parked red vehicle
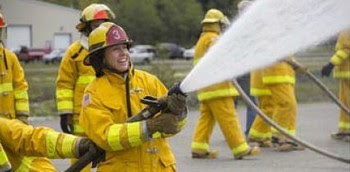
30 54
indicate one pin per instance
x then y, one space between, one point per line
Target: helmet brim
91 53
80 26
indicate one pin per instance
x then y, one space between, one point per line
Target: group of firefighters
98 90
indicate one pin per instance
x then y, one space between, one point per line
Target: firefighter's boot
205 155
252 151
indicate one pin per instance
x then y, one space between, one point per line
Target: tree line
154 21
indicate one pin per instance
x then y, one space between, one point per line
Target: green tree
152 21
140 19
181 20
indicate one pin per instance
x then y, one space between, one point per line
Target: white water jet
267 32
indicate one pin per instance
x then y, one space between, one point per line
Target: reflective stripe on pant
344 96
281 106
222 110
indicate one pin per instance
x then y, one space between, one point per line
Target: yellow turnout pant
281 106
223 111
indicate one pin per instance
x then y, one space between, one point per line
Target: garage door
62 40
18 36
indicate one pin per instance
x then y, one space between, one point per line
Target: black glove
67 123
327 69
85 145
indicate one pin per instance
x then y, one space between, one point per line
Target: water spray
268 31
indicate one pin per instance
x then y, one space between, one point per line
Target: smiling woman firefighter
115 96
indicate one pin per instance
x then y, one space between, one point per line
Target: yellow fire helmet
215 16
94 12
106 35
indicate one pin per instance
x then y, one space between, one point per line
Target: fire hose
278 128
311 76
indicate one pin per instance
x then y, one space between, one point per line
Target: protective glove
164 123
66 122
84 146
23 118
327 69
176 104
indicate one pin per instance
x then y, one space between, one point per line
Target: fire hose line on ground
278 128
322 86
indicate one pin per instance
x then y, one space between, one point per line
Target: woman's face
118 57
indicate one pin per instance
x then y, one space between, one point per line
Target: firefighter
217 101
115 96
14 101
73 75
340 61
40 141
274 87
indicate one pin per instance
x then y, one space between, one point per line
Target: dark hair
96 61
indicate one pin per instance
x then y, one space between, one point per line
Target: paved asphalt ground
315 124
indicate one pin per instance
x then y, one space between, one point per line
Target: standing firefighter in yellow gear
274 87
73 75
340 61
115 96
40 141
217 101
14 102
